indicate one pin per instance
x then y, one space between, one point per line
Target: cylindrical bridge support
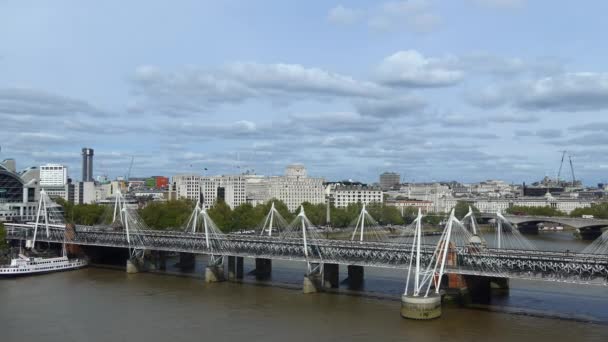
235 268
263 268
331 275
355 277
312 283
420 307
134 265
214 274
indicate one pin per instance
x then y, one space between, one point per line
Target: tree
3 243
244 217
410 214
461 209
316 213
434 218
171 215
599 210
385 214
221 214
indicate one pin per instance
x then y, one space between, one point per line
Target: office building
389 180
87 164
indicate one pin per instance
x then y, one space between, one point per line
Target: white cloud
392 107
566 92
343 15
410 68
195 90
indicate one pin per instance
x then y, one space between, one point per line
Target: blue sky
435 90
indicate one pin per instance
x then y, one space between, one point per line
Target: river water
97 304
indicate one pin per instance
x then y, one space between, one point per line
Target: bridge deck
543 265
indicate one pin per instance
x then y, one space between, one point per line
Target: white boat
24 265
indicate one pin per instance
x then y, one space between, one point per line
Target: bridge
458 258
588 228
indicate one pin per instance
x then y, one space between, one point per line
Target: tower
87 164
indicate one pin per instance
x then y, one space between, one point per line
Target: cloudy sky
435 90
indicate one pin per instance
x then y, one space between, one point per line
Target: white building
296 187
565 205
257 189
85 193
53 175
230 188
344 195
401 204
186 186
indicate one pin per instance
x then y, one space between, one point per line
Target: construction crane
561 164
572 170
129 171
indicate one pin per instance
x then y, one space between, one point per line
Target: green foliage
535 211
385 214
316 213
462 208
221 214
262 209
85 214
410 214
169 215
245 217
434 218
599 210
3 243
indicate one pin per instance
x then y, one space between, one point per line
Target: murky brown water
96 304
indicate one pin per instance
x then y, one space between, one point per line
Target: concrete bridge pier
420 307
497 283
312 283
235 268
134 265
331 275
263 268
186 261
214 274
355 277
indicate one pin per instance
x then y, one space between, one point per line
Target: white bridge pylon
49 212
456 251
508 237
367 229
132 224
273 222
200 222
302 228
430 272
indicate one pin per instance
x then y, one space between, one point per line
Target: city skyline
433 91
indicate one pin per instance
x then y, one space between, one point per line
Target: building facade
389 180
296 187
424 206
343 195
53 175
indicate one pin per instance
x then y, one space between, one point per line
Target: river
98 304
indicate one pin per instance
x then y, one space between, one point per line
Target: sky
462 90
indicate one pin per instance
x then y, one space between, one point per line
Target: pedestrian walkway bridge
471 260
